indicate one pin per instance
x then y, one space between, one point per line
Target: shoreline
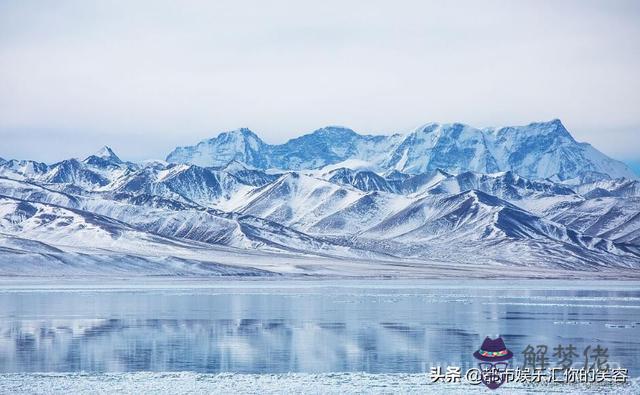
108 284
271 383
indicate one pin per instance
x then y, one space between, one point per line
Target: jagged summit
106 154
240 145
552 125
238 133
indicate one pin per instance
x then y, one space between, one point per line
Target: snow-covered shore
298 383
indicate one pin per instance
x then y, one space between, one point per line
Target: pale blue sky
145 76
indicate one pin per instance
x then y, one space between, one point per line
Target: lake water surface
306 326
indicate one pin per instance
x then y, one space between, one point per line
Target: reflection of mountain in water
247 345
303 330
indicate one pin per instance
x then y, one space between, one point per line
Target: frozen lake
304 327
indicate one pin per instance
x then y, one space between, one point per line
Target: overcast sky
145 76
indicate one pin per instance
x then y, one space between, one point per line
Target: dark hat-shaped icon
493 350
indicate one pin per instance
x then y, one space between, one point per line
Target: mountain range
538 150
441 198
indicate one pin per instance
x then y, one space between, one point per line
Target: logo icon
493 357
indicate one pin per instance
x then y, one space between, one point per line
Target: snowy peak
22 169
322 147
249 175
452 147
457 148
620 187
240 145
72 171
536 151
240 136
188 184
505 185
103 160
553 128
339 132
107 153
547 150
318 149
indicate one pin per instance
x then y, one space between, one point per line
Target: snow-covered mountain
22 168
365 180
322 147
535 151
240 145
330 202
619 187
104 157
297 200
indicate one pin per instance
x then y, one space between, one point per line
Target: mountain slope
609 217
366 181
167 218
453 224
297 200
